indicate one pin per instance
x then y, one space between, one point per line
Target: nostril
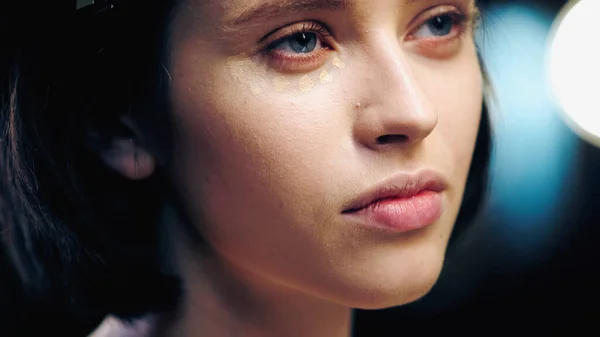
391 139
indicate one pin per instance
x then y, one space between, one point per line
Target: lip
405 202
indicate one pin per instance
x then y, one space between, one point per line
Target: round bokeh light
574 68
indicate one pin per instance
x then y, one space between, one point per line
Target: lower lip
402 214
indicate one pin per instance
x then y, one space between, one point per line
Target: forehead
241 11
238 11
233 21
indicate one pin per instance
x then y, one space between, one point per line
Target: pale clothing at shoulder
113 327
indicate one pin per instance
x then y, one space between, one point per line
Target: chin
387 300
395 281
403 293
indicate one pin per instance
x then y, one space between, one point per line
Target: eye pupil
301 38
303 42
441 25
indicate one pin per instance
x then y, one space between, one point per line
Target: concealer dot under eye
337 63
306 83
325 77
244 70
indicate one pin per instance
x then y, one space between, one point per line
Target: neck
221 299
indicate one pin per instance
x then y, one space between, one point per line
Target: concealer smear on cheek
246 72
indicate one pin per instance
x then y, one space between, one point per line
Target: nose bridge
391 63
398 108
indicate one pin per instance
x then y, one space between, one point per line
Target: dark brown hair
76 237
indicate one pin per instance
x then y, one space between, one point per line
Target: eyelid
462 15
299 27
295 63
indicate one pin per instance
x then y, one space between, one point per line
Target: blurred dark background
531 263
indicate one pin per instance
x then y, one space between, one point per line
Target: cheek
456 93
459 117
258 165
454 88
262 171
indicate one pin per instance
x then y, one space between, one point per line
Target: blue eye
441 25
301 43
298 48
438 26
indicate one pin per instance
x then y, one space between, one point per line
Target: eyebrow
273 9
278 8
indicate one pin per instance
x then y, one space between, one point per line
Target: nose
395 111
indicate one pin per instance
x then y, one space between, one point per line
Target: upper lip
402 185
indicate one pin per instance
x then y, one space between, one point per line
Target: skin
265 164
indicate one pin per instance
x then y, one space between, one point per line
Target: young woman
238 168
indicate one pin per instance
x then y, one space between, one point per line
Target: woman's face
290 113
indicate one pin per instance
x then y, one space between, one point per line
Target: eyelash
461 24
299 62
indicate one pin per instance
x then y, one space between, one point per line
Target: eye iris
303 42
441 25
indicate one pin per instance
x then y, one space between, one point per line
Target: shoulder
113 327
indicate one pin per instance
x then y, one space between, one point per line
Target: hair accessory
94 7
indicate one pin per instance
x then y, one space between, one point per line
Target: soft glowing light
534 149
574 68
